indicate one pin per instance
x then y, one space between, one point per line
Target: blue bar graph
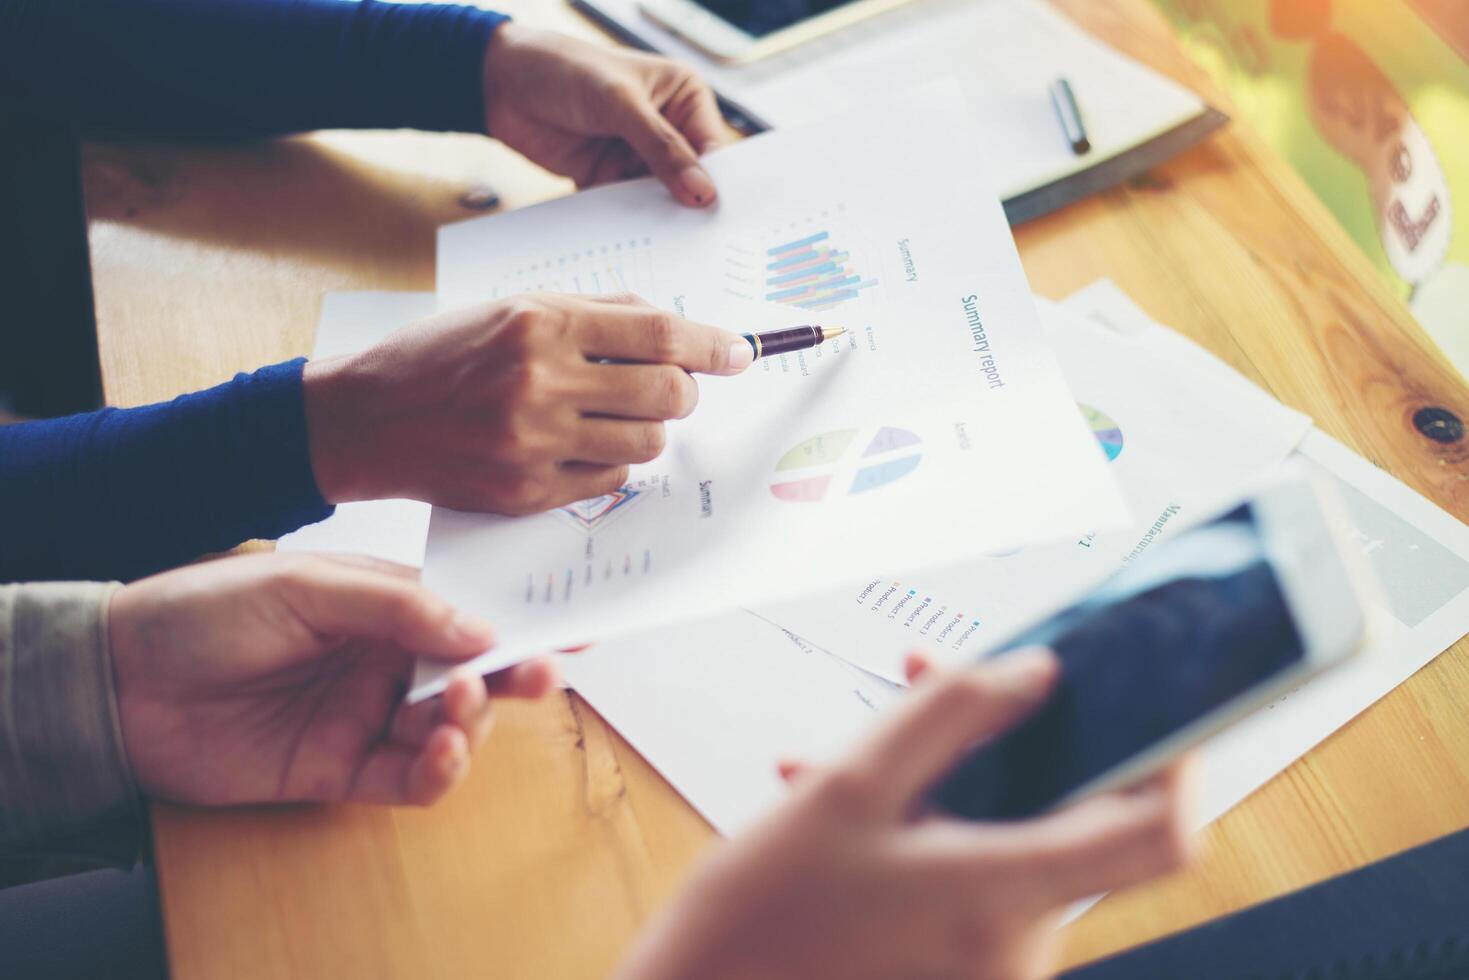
810 274
820 236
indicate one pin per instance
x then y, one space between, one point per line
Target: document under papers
395 530
714 704
937 428
1420 555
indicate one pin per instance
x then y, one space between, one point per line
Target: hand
277 678
855 878
507 407
598 114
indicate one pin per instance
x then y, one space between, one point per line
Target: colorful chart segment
808 490
811 274
593 513
889 439
829 447
881 474
822 462
1109 436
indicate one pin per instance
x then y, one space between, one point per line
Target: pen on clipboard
793 339
1069 115
739 117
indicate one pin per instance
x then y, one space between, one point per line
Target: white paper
396 530
1420 555
1180 427
1004 52
715 704
940 426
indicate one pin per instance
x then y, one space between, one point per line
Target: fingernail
741 356
472 629
697 183
1028 673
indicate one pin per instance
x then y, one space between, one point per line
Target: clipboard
1051 191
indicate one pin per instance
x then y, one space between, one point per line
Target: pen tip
828 333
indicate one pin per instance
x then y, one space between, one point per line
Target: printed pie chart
1107 432
845 462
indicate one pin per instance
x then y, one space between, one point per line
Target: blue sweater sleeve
124 492
241 67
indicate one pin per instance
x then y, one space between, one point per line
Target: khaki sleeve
65 785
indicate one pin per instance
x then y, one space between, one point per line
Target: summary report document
939 427
1179 430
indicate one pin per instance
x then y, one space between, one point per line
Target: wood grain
211 260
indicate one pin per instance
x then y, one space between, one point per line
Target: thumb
665 150
358 602
793 771
1106 842
946 718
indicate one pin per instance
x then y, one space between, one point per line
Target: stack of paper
938 427
956 465
714 705
1177 428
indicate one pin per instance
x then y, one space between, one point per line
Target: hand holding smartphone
1195 632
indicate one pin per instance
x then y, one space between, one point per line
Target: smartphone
1196 631
747 30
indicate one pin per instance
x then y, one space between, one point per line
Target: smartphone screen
1190 624
758 18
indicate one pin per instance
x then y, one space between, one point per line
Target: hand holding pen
514 406
791 340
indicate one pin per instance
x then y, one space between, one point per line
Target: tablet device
746 30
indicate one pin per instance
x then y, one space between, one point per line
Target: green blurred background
1369 100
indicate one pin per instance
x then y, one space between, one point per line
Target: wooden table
213 260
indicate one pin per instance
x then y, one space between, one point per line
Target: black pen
1069 113
792 339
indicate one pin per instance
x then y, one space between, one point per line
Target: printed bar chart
811 274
